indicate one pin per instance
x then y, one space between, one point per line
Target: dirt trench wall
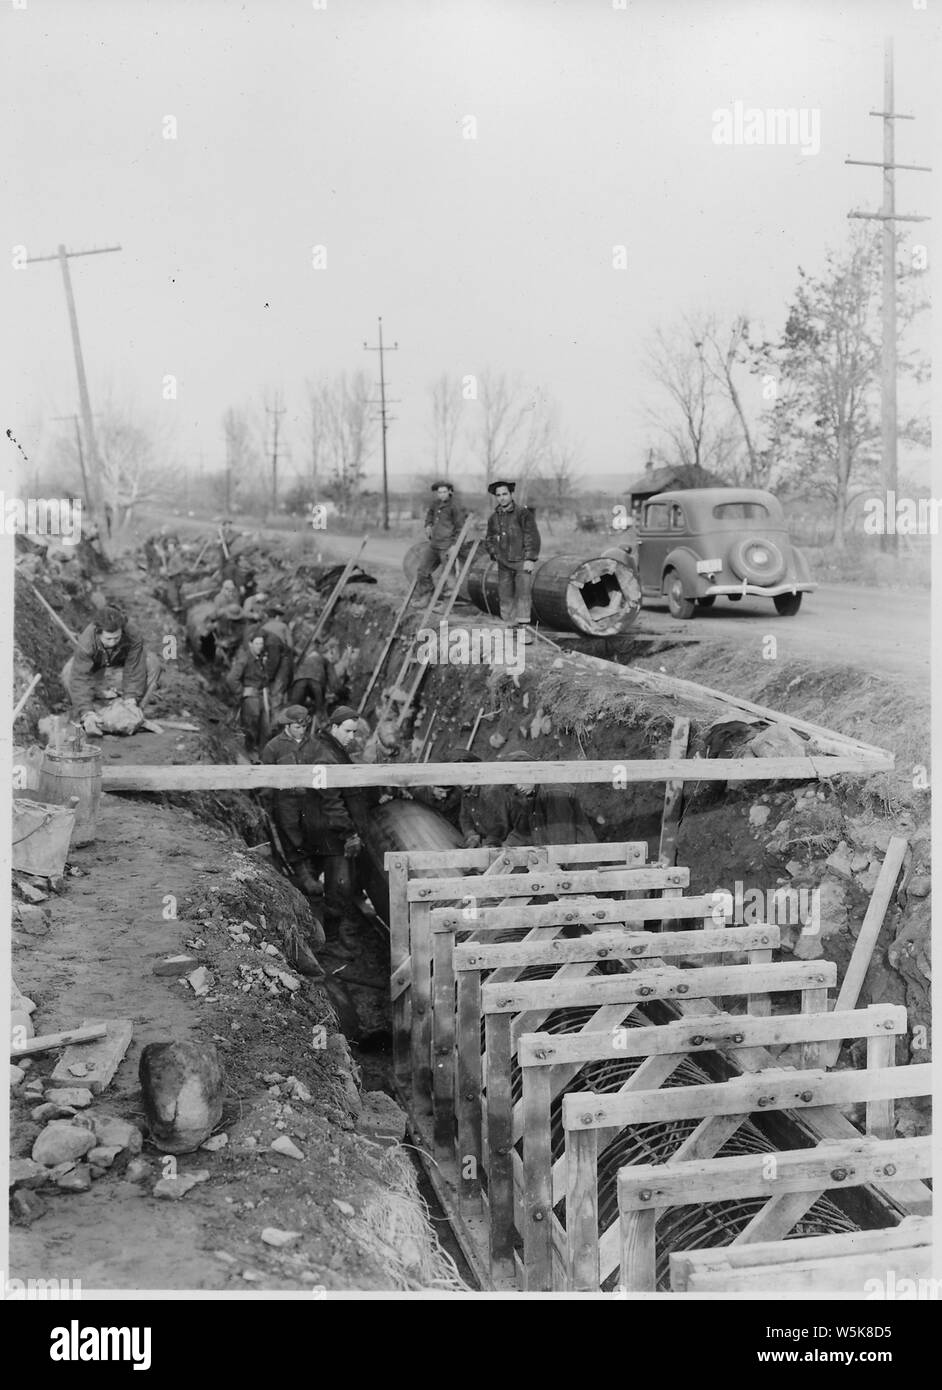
749 838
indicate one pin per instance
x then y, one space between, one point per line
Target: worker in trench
464 807
513 541
249 678
109 661
286 748
331 817
521 814
313 675
443 522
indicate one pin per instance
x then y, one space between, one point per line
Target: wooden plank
443 1044
715 1033
770 1090
537 1206
638 1262
814 1002
500 1184
102 1057
420 944
627 852
205 777
47 1042
468 1081
881 1114
605 945
847 1274
558 881
760 1005
667 983
778 1216
580 912
911 1233
673 795
400 966
860 1162
859 963
582 1210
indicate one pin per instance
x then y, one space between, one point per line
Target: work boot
306 881
304 959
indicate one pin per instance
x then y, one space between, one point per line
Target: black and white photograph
468 519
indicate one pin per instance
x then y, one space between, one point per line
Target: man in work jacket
249 678
443 522
108 661
331 818
313 673
513 540
288 803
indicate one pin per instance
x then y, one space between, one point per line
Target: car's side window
678 520
656 516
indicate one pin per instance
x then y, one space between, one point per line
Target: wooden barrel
66 774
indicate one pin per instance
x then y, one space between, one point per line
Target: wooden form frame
613 997
812 1264
487 871
795 1181
719 1109
550 1061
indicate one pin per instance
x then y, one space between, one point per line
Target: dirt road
880 631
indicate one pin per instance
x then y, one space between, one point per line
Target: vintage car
693 546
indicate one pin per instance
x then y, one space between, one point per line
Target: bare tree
695 429
447 405
243 460
516 426
350 432
318 411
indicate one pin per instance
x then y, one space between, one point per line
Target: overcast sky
343 127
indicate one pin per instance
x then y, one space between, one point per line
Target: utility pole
383 416
95 490
276 411
78 446
889 217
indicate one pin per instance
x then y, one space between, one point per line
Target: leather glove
528 566
110 694
352 846
472 842
91 724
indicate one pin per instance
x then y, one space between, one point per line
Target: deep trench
678 1227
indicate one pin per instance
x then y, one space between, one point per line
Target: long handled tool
427 739
335 593
21 702
477 725
54 616
397 622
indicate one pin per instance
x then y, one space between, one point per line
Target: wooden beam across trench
206 777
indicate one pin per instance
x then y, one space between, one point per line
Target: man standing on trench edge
331 818
443 522
513 540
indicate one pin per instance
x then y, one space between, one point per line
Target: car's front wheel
680 607
787 605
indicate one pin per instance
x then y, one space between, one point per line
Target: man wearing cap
109 660
250 678
513 540
331 821
443 522
288 802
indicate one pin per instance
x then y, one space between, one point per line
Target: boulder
78 1180
26 1206
182 1085
61 1142
76 1096
26 1172
174 1188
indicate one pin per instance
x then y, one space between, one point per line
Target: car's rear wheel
787 604
757 559
707 601
680 607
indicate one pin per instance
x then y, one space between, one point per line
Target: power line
383 415
275 411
